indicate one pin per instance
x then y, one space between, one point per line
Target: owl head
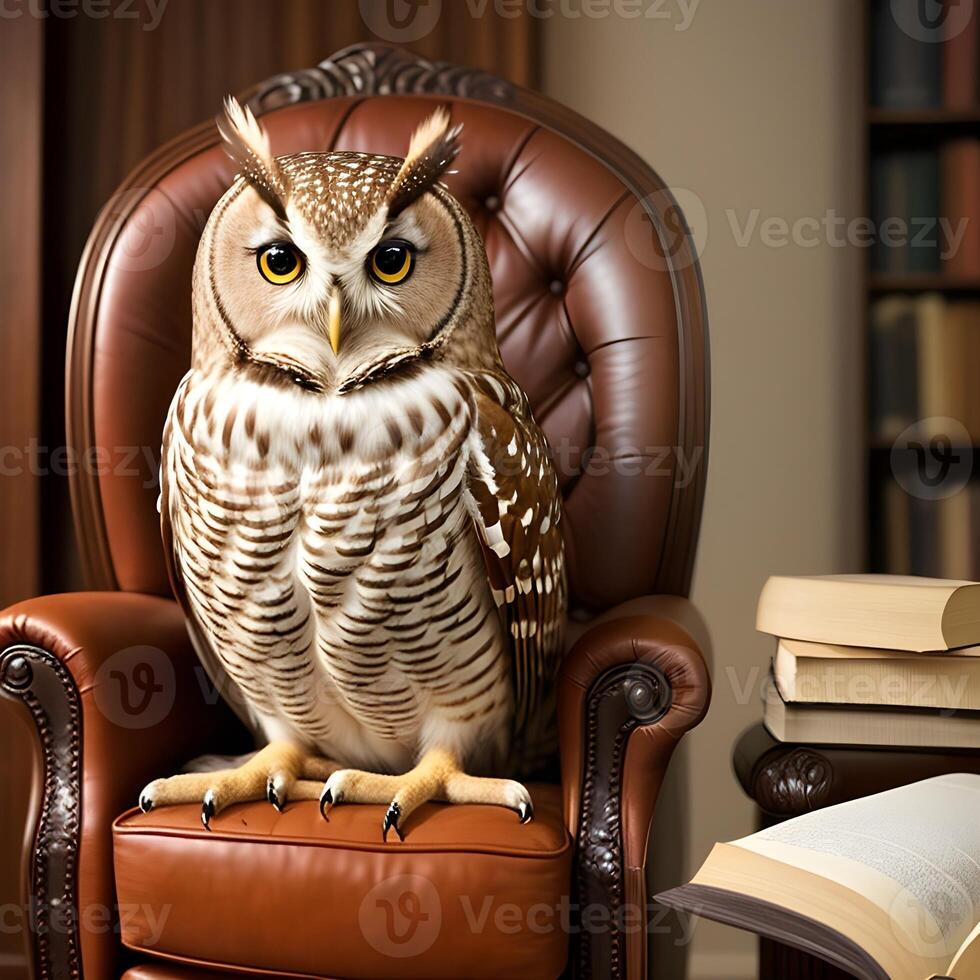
332 271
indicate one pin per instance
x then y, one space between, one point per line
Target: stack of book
878 660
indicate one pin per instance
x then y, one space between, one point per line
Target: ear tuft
247 143
433 147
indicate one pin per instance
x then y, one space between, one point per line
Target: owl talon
272 796
392 816
146 804
326 801
208 810
525 810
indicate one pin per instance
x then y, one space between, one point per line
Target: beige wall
753 104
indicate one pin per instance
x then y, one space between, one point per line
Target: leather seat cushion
470 892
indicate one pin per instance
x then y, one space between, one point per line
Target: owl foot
277 773
437 776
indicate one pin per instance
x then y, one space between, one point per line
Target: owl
359 511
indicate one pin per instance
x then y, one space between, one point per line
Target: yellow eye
392 262
280 263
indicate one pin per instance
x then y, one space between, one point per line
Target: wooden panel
21 88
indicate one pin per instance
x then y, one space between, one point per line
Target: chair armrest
633 683
117 697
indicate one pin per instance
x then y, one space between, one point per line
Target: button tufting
582 369
492 203
557 287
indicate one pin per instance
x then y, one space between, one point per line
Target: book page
913 851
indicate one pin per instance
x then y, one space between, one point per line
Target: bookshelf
923 283
968 118
921 309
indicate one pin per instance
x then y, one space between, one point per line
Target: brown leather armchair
601 318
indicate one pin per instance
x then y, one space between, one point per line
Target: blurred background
827 156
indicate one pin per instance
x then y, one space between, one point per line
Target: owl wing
170 463
515 503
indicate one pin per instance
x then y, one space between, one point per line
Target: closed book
883 887
961 207
827 673
894 366
838 724
906 71
905 209
961 46
899 612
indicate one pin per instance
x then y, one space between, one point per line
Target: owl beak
334 322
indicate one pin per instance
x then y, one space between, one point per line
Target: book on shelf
943 367
906 71
917 536
882 887
955 538
853 724
905 209
895 534
894 365
829 673
888 611
961 49
924 353
924 556
960 183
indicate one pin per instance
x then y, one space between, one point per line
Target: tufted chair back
600 313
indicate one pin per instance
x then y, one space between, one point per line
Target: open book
887 888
